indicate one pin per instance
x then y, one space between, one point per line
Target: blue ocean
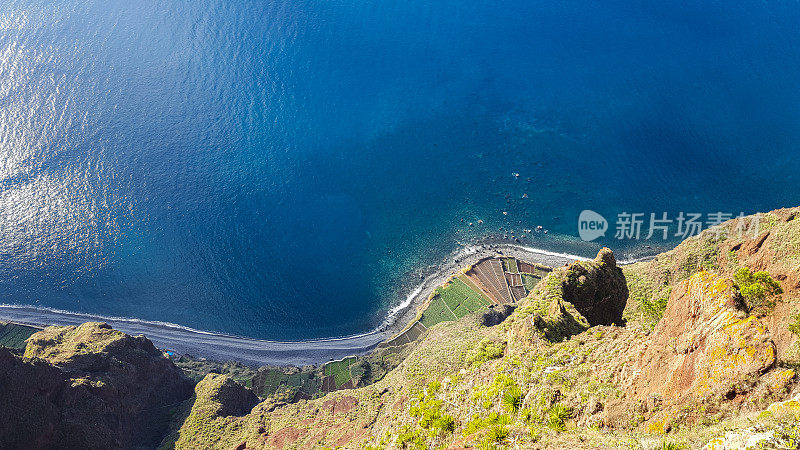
288 169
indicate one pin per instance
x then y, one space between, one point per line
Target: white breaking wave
157 324
19 312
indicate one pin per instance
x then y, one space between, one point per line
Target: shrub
794 326
528 417
557 416
786 435
487 350
497 433
512 399
479 423
755 287
670 446
429 414
409 438
654 310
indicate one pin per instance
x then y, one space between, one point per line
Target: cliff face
87 387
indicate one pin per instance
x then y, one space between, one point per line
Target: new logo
591 225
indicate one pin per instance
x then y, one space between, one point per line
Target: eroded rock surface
87 387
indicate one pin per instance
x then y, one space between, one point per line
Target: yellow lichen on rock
704 343
788 409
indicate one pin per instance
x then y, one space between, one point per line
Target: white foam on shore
407 302
549 253
30 310
159 324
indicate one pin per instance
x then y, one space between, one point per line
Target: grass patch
487 350
340 370
452 301
510 265
437 312
557 417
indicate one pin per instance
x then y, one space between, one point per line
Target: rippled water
277 169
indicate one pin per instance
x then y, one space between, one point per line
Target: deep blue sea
281 168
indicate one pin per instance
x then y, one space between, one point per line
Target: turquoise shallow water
282 169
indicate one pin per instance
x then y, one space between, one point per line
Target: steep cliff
87 387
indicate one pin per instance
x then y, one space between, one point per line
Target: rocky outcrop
224 397
87 387
571 299
705 343
597 289
495 315
705 350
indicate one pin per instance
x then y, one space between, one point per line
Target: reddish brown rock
705 343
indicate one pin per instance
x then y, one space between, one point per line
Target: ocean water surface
286 169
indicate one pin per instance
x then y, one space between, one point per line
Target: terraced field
340 371
490 281
13 335
510 265
454 300
529 281
301 384
437 311
489 274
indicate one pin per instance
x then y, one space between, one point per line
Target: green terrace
13 335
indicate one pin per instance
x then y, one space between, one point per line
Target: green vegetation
429 414
479 422
409 438
755 287
453 301
786 435
285 383
557 415
794 325
512 399
497 434
510 265
13 335
650 304
487 350
529 281
670 446
340 370
197 369
787 240
436 312
430 420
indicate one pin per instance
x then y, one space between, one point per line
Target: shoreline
403 315
223 347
